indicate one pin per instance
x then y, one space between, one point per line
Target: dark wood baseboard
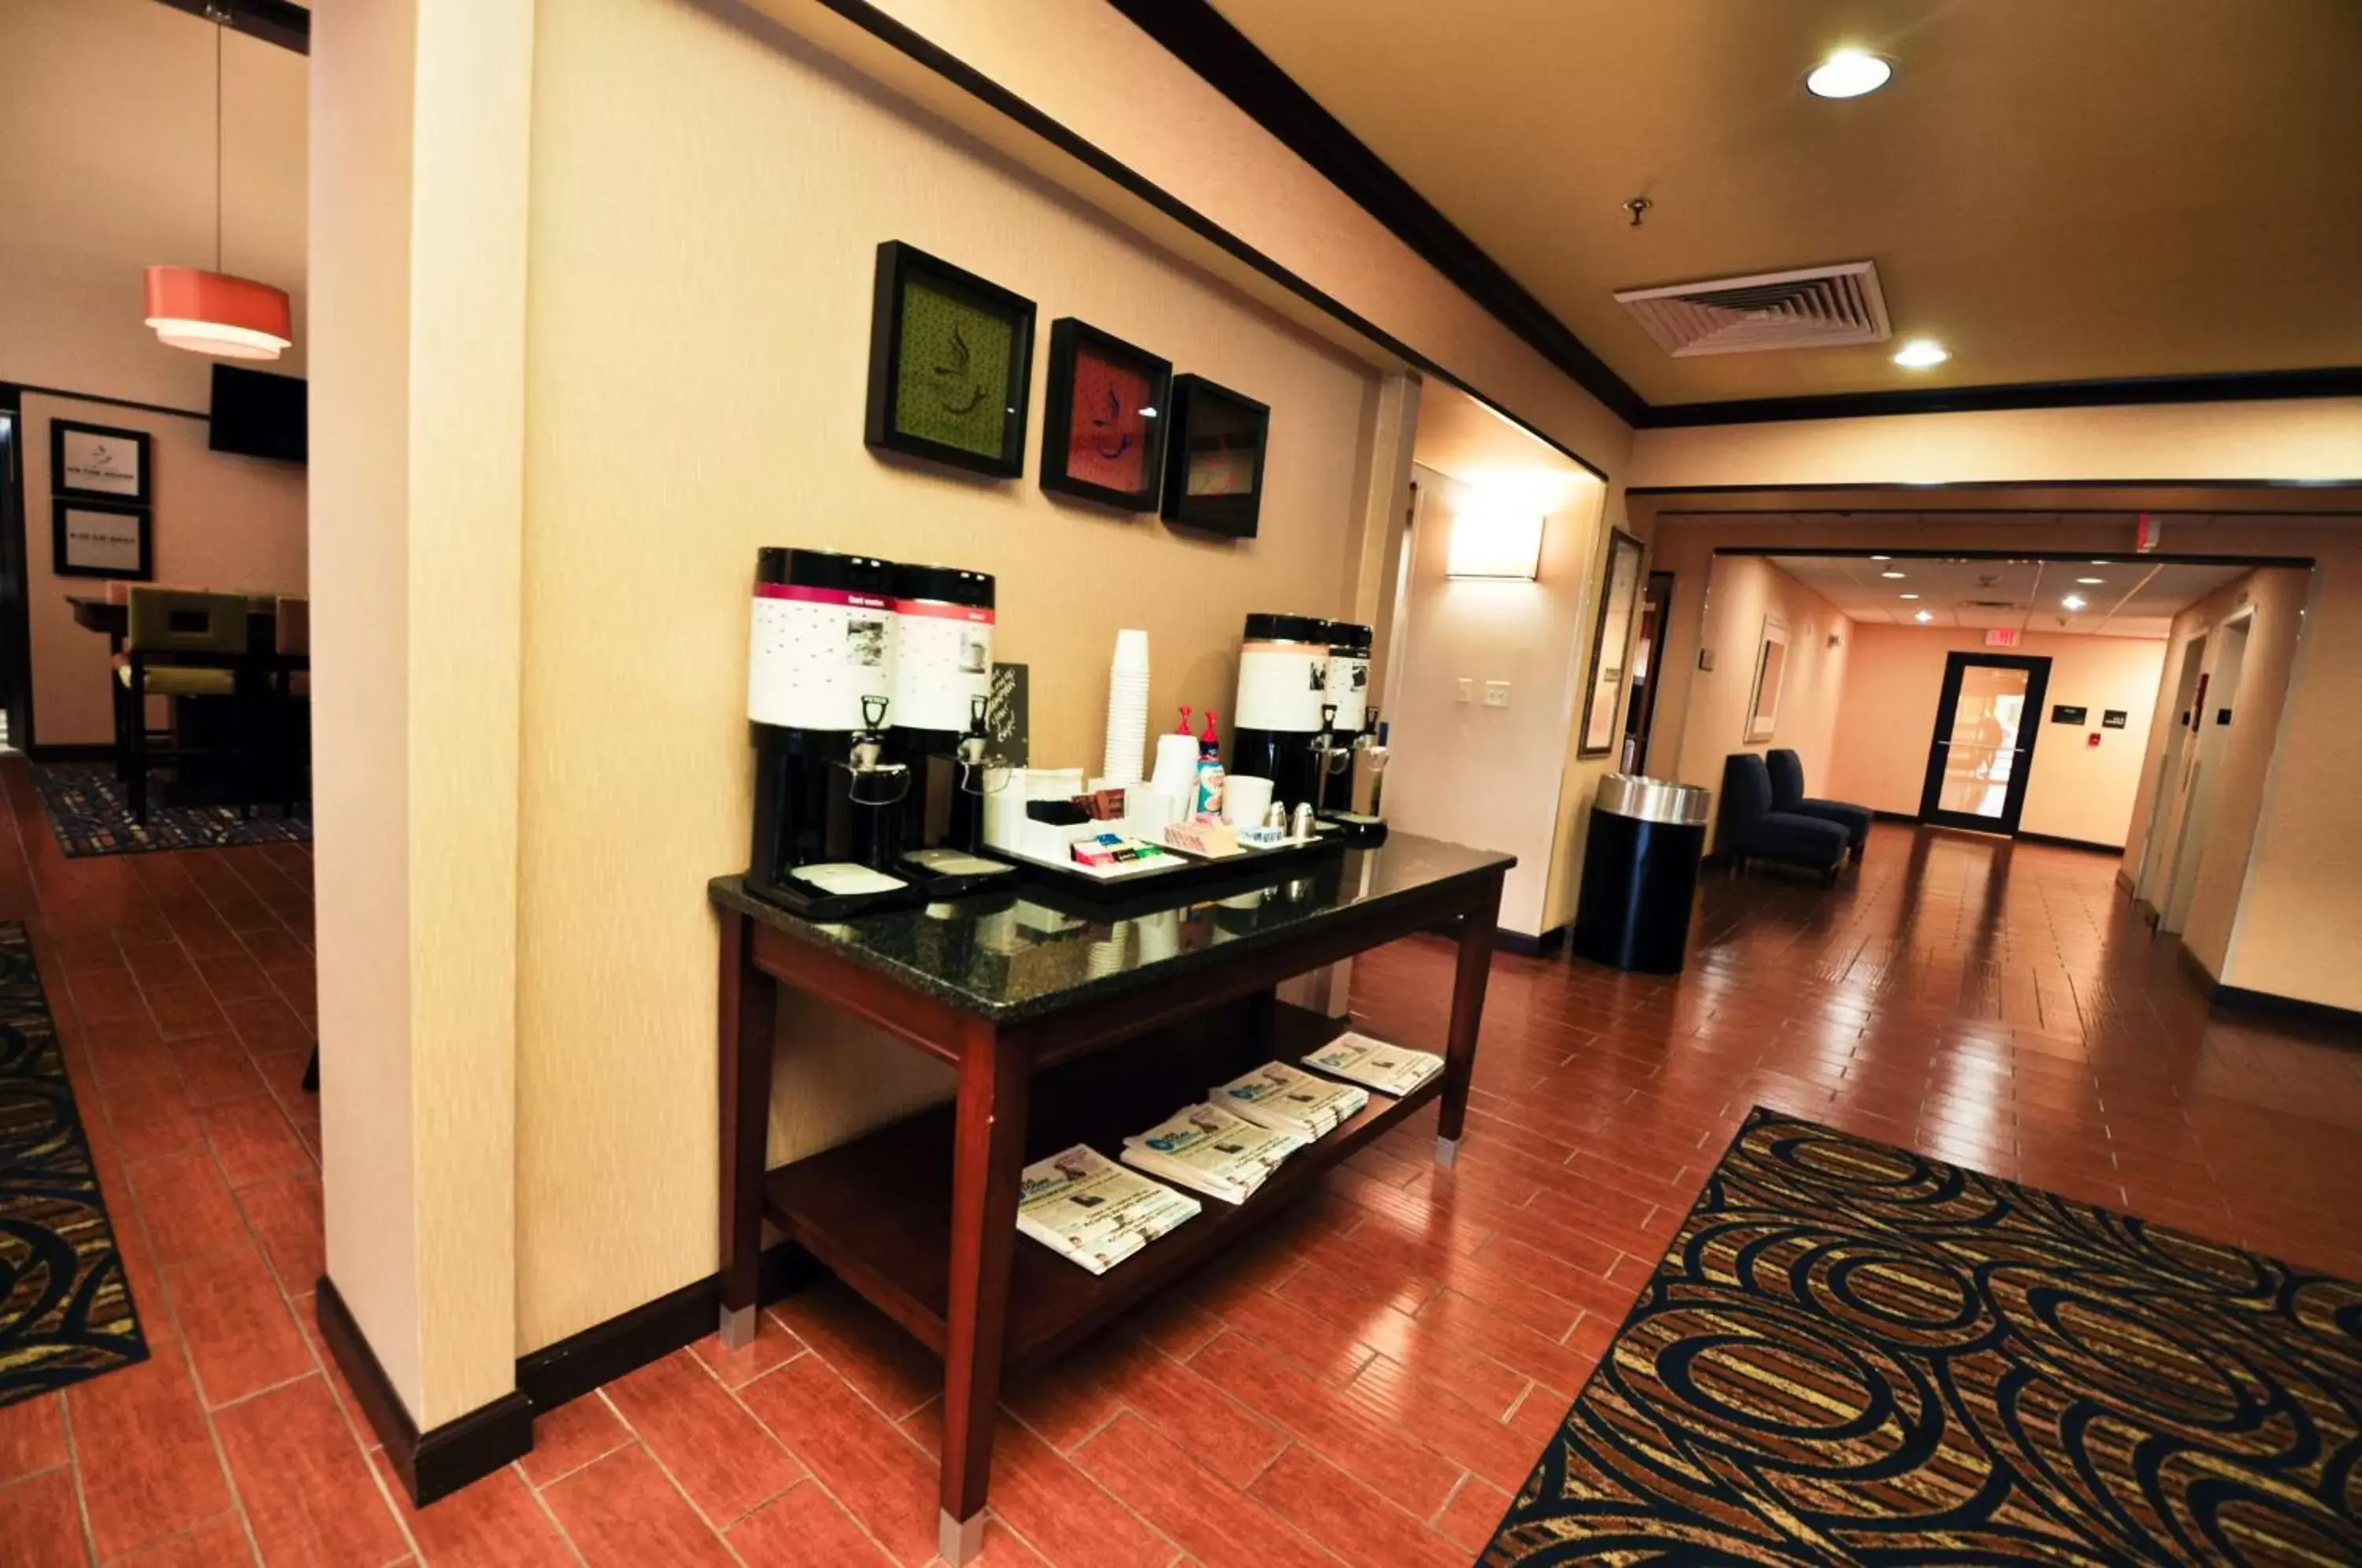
1541 947
2238 999
2194 969
92 751
2089 845
437 1463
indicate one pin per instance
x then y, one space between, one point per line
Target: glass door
1982 753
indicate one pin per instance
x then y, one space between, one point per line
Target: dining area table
232 671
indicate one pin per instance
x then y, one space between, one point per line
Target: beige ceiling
2057 190
2130 598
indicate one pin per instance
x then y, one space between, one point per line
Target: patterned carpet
65 1307
1854 1354
91 815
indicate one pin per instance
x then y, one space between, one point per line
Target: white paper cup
1132 651
1245 797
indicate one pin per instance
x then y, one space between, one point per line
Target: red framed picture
1103 430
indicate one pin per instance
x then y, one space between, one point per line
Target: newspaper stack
1389 1069
1206 1148
1093 1211
1288 1100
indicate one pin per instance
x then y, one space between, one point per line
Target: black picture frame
894 426
1619 607
143 490
60 553
1205 423
1073 344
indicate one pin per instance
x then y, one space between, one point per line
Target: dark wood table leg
749 1008
1476 967
988 1157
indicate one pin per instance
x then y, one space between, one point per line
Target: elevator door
1983 752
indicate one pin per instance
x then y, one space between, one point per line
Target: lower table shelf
878 1210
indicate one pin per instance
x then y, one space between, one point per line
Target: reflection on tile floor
1361 1384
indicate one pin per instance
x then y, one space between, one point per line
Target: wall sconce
1501 545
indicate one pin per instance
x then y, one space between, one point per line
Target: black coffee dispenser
1349 694
828 799
943 676
1283 686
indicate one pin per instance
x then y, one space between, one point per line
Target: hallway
1367 1380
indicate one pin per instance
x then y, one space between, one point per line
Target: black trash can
1639 873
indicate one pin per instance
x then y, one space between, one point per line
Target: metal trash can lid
1653 800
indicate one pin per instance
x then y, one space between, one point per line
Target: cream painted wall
1464 771
1742 591
2314 439
1886 719
666 446
218 522
121 176
2272 602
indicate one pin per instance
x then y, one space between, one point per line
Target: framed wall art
100 538
1611 643
1771 670
1103 424
951 363
99 461
1214 457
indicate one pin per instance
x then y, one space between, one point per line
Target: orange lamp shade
213 313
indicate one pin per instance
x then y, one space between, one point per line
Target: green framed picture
951 364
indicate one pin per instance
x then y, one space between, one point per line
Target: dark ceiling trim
1204 40
2048 557
959 73
1844 486
1201 38
272 21
2243 387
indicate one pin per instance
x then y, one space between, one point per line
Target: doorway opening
1982 755
15 624
2213 712
2171 767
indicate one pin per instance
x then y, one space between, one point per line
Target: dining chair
291 708
180 643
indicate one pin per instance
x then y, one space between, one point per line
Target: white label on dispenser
1348 687
943 661
814 653
1281 686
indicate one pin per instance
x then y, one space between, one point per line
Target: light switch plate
1467 689
1497 694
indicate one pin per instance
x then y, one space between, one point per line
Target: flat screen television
259 415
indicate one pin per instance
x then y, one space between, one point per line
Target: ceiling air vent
1813 308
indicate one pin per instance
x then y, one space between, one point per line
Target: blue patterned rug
92 815
1851 1354
65 1306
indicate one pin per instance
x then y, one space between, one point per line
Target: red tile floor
1365 1385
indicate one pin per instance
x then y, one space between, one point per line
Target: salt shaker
1275 816
1301 826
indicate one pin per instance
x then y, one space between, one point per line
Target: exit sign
2001 636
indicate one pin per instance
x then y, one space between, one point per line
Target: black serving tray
1248 868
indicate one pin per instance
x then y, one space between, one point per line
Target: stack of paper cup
1127 722
1177 767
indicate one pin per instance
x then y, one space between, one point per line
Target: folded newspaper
1389 1069
1290 1101
1206 1148
1092 1210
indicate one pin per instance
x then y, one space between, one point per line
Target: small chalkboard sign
1008 715
2062 714
2114 719
2221 715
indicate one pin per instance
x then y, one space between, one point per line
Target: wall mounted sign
2001 636
98 460
2114 719
2221 715
1103 426
100 538
1008 715
1214 459
1771 670
1611 640
951 364
2062 714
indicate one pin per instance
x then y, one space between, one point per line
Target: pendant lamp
214 313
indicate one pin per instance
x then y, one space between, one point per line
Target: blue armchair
1788 795
1752 830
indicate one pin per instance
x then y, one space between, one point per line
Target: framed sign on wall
100 538
1611 640
99 461
1103 426
951 364
1214 459
1770 671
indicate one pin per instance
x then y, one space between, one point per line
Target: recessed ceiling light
1920 353
1923 616
2074 601
1881 558
1892 574
2102 563
1849 74
2091 582
1908 596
